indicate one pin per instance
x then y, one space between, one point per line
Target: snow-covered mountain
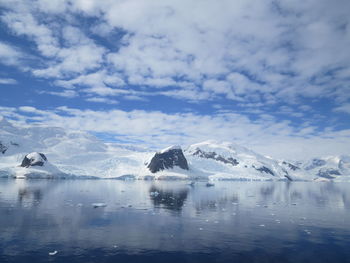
79 154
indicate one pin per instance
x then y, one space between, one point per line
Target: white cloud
287 48
9 55
343 108
8 81
97 79
102 100
64 93
22 22
73 60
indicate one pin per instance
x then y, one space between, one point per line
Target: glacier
77 154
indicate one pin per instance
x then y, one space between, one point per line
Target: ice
173 147
96 205
53 253
154 194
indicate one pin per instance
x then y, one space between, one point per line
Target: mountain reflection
30 194
167 198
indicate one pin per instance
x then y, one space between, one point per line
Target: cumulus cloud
9 55
282 50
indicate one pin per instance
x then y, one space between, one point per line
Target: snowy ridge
79 154
170 148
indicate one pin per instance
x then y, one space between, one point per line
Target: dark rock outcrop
34 159
169 199
168 159
315 163
3 148
215 156
291 166
264 169
328 173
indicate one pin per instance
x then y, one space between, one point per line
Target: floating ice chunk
192 183
262 225
154 194
307 231
53 253
96 205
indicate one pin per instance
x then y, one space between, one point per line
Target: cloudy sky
271 75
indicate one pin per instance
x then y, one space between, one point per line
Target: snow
173 147
78 154
35 157
96 205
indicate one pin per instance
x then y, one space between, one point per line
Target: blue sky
271 75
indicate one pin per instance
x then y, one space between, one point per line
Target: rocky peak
34 159
213 155
167 159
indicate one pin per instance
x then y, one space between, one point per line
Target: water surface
145 221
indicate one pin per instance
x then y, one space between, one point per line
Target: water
146 221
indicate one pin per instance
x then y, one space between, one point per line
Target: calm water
229 222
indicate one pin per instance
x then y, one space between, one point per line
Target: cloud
64 93
99 82
267 52
102 100
8 81
9 55
22 22
343 108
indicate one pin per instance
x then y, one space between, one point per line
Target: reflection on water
30 194
173 222
172 199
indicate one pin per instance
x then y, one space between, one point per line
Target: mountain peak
4 123
173 147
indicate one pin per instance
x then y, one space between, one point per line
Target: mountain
79 154
168 159
231 161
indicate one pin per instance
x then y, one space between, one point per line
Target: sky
270 75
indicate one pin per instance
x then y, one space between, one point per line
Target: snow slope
230 161
79 154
